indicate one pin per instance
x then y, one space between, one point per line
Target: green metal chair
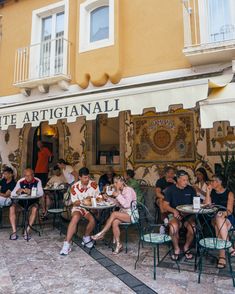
149 234
207 240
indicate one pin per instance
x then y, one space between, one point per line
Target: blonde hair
120 179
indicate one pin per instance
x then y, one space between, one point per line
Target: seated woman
201 183
218 194
124 196
56 180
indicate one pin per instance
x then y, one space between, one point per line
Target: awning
187 93
220 106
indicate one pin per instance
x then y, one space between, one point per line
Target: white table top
54 189
188 208
99 206
25 197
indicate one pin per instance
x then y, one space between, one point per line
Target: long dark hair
204 173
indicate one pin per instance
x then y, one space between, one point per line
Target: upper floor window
96 24
99 24
217 20
49 44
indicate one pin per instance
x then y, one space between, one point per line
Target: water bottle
93 201
34 192
162 230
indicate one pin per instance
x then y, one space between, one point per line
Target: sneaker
66 248
87 242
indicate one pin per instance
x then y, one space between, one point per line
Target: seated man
166 181
56 180
79 191
134 184
179 194
7 184
106 179
24 186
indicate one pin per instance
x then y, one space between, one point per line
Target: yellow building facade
128 83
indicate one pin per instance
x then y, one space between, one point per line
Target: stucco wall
74 150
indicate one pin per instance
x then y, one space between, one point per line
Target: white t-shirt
56 179
67 172
203 188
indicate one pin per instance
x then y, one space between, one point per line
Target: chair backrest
143 219
205 227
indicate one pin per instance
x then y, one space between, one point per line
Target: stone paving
37 267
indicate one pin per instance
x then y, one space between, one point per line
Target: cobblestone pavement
37 267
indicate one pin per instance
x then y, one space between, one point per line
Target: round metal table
101 217
188 209
26 198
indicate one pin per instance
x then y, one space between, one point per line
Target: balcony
42 65
209 31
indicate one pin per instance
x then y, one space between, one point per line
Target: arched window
96 24
99 24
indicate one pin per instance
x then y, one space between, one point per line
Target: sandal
175 256
27 237
98 236
232 253
13 236
188 254
118 248
221 265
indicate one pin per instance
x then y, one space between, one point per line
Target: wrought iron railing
44 60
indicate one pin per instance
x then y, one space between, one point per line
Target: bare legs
12 217
175 225
73 225
115 216
222 227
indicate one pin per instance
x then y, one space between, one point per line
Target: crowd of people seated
175 189
172 189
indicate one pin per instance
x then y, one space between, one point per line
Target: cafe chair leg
138 256
230 267
154 262
200 265
126 237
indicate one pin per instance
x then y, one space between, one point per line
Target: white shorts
5 201
82 211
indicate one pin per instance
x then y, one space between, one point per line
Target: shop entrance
49 136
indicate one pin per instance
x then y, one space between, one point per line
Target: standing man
166 181
79 191
180 193
7 184
42 165
24 186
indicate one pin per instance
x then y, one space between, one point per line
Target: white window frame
36 32
203 20
84 25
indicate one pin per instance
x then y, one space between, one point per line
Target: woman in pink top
124 196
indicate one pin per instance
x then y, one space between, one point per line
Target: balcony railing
46 62
209 25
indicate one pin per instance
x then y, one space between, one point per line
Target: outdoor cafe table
100 216
55 192
56 210
26 198
187 209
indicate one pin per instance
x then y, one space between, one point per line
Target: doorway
49 136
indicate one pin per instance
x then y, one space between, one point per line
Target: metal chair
149 234
207 238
